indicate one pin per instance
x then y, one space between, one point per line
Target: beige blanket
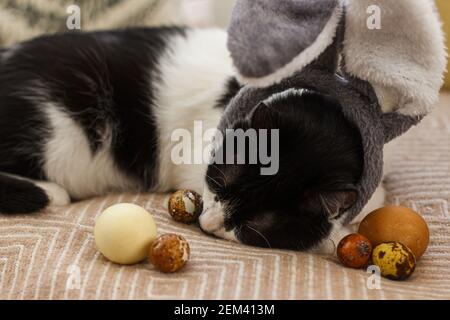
52 255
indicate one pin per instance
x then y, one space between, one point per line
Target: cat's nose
212 222
212 219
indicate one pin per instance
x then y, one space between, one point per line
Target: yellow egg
395 260
124 232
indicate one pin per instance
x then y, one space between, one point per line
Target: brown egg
185 206
354 251
169 253
397 224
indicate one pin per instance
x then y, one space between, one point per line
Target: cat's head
316 160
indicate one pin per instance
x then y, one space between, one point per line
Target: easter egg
169 253
354 251
124 232
395 260
185 206
397 224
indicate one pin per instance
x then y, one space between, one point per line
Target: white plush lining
404 60
323 41
284 94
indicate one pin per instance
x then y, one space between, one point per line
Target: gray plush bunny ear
398 47
271 40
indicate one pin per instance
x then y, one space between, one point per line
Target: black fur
20 196
231 89
102 79
320 162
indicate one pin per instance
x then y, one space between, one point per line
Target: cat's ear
334 203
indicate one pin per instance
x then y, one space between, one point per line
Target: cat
86 114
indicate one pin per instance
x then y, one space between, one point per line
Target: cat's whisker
239 231
259 233
213 180
223 174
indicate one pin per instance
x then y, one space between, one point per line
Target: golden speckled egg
185 206
169 253
124 232
395 260
397 224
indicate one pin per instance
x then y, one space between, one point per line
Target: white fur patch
69 161
213 218
193 72
56 194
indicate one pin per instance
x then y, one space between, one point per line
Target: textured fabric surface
52 255
24 19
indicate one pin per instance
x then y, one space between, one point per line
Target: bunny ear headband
383 60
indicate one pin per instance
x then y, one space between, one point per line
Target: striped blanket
52 255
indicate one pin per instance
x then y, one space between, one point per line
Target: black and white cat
85 114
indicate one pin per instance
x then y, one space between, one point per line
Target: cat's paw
56 194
